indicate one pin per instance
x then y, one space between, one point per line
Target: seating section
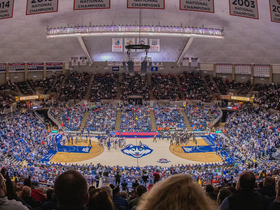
46 84
165 87
198 117
58 83
242 88
211 84
221 85
104 86
75 86
71 117
268 96
5 101
169 118
24 88
102 118
194 88
135 118
9 86
134 85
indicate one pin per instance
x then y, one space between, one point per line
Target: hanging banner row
241 8
118 44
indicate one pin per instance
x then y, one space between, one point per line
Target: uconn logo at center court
137 151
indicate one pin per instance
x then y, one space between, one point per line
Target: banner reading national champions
39 6
244 8
275 10
198 5
6 9
146 4
91 4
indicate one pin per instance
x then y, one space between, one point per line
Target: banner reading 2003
6 9
275 10
198 5
244 8
146 4
41 6
91 4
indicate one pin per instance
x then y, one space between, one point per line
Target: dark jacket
243 200
268 190
275 205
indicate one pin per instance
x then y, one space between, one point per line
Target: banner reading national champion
244 8
89 4
275 10
146 4
6 9
39 6
198 5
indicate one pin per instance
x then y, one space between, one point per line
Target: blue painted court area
74 149
199 149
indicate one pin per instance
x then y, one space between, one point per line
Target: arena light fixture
171 31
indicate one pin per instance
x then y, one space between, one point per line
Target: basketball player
109 143
155 138
141 145
177 141
116 142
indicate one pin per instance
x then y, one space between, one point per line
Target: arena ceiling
23 38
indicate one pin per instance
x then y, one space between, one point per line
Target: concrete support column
25 71
233 73
7 73
45 71
271 74
252 74
63 68
214 70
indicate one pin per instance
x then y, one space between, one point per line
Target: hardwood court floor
199 157
67 157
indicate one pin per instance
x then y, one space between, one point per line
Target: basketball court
159 153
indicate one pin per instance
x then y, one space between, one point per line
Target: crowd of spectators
71 117
134 85
211 84
222 85
169 118
165 87
102 118
242 88
5 100
24 88
252 134
135 118
46 84
194 87
75 86
58 83
9 86
268 96
199 117
104 86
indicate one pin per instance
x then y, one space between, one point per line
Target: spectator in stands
119 202
275 205
178 192
268 188
71 191
6 204
221 85
26 196
140 190
245 198
210 192
223 193
35 194
100 200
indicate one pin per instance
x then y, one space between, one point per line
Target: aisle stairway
118 120
211 115
180 87
62 84
208 88
188 125
153 119
89 87
250 92
57 117
150 84
83 123
119 86
53 84
215 84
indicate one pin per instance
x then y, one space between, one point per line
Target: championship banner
74 61
275 10
155 45
6 9
2 67
35 67
194 62
243 69
129 41
244 8
83 61
115 63
142 41
96 4
39 6
117 44
146 4
198 5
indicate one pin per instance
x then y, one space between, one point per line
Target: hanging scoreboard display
146 4
6 9
16 67
198 5
275 10
53 66
244 8
100 4
35 67
41 6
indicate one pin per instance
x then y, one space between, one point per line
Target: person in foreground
71 191
6 204
275 205
178 192
245 198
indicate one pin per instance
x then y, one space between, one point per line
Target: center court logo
136 151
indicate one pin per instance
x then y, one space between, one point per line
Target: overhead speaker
130 67
124 66
144 66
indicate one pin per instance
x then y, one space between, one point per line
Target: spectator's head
71 189
140 190
223 193
26 191
27 182
246 181
99 199
209 188
123 194
3 189
178 192
116 191
108 190
268 181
